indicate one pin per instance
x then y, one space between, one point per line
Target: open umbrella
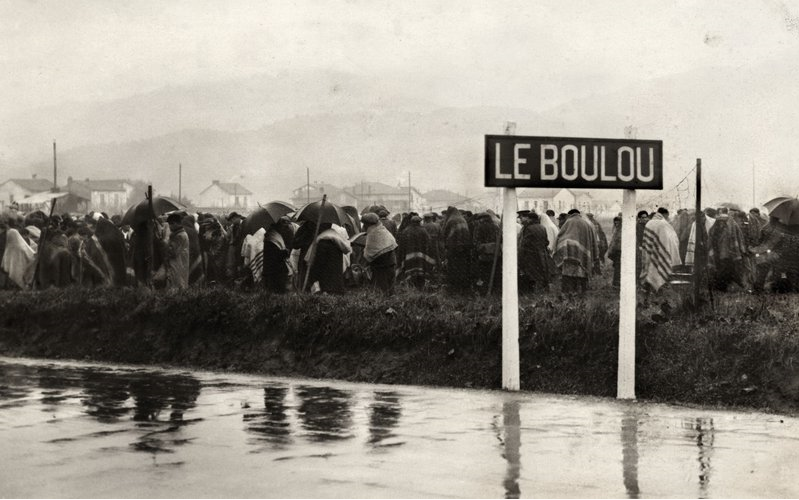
140 212
266 215
330 213
354 216
785 209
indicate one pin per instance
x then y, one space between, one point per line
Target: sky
520 54
504 53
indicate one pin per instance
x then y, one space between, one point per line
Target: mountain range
268 132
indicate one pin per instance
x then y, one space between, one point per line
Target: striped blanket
661 252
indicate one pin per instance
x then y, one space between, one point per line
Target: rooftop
233 188
33 185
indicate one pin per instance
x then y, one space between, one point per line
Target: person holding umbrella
326 259
379 252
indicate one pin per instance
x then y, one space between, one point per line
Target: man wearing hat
388 223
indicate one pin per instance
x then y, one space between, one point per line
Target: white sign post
625 384
510 293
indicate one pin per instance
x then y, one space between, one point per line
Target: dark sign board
546 162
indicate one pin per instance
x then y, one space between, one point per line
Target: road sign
569 162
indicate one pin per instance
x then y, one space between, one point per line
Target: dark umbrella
140 212
785 209
354 216
330 213
266 215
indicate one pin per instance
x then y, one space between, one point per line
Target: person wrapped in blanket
101 253
414 251
176 254
660 251
379 253
576 252
726 249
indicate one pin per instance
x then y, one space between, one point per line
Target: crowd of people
456 250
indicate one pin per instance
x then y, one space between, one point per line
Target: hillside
344 130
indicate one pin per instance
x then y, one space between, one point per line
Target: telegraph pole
180 182
55 170
410 196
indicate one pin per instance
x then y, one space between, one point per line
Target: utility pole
700 240
180 182
308 184
55 170
753 185
410 196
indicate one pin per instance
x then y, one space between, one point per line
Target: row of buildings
114 196
403 199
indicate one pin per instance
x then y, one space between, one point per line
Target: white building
15 190
224 195
540 200
111 196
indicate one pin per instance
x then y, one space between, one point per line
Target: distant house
15 190
314 192
111 196
225 195
438 200
396 199
542 199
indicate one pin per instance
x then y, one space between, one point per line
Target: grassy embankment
740 353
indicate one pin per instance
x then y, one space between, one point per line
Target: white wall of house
563 201
10 192
113 202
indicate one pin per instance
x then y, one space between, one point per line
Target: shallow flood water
87 430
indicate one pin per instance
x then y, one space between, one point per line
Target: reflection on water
154 395
82 428
271 426
702 431
325 413
106 395
629 452
511 423
13 385
384 415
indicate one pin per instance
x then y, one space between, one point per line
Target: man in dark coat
487 242
533 253
433 230
458 241
326 264
277 242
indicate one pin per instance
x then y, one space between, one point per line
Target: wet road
80 430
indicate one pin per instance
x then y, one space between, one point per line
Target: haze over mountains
265 131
